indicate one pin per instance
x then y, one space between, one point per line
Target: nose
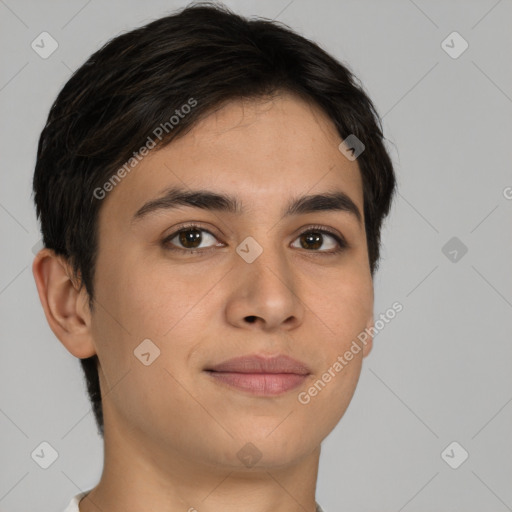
265 294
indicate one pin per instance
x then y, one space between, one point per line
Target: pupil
190 236
313 238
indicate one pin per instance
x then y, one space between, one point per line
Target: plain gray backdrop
439 373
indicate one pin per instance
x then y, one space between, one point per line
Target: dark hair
136 81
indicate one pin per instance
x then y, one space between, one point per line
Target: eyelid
324 229
189 225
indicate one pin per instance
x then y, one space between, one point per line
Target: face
254 282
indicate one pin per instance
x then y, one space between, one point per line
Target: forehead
264 151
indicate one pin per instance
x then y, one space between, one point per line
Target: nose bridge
265 280
263 253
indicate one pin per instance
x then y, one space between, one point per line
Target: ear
367 346
66 309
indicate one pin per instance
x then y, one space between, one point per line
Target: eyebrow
175 197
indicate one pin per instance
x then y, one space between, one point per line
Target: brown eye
314 239
188 239
191 238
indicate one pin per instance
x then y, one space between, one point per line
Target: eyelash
342 244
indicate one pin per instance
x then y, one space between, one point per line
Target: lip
260 375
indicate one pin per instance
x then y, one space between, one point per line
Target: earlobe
63 303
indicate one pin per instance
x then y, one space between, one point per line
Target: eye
190 238
314 238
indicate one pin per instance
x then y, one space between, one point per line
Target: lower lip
262 384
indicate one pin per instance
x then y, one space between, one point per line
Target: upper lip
261 364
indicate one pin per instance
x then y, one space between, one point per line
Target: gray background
439 372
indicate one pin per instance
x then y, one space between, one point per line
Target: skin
172 434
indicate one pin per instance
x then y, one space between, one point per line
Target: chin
277 450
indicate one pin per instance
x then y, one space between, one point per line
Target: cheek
151 300
339 312
340 306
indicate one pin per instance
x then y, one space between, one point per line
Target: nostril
251 319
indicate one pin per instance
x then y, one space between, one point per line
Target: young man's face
298 297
